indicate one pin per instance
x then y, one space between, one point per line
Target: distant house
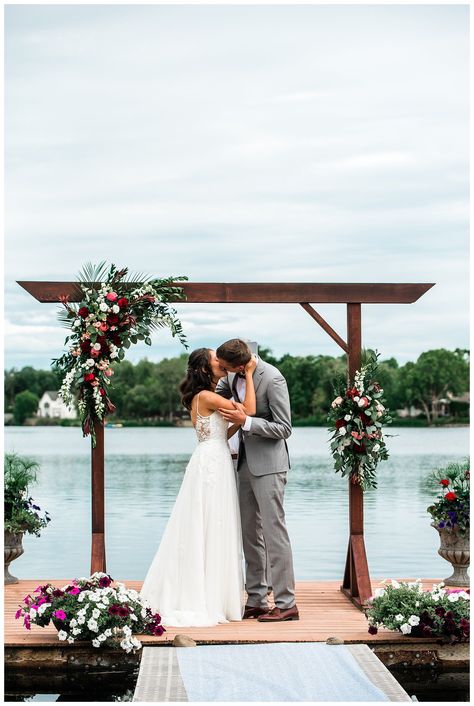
52 406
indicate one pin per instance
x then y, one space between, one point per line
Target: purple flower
114 609
373 630
440 611
18 613
26 622
60 614
104 581
124 611
158 630
74 591
441 525
426 631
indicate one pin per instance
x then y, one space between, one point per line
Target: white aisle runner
305 671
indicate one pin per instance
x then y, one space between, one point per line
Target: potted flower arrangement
95 609
357 417
21 514
450 513
406 607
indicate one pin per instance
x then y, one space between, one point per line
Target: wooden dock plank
324 612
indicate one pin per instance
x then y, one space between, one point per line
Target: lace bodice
213 426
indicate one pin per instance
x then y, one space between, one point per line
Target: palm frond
93 273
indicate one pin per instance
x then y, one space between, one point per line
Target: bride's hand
251 365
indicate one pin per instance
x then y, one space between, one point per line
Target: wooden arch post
356 581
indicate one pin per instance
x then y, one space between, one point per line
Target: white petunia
76 631
405 628
452 598
70 639
417 603
81 620
96 643
395 584
143 613
126 630
73 622
108 632
95 613
133 616
62 635
102 637
379 592
399 618
42 608
414 620
101 604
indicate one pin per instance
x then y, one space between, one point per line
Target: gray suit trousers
264 530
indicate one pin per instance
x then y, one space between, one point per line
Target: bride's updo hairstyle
198 376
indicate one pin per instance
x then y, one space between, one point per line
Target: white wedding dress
196 577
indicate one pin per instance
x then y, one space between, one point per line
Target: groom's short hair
236 352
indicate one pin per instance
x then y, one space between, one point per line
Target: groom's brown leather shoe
276 615
251 612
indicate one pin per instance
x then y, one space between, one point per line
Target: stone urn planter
455 549
13 549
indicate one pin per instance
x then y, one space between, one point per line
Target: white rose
103 307
405 628
347 418
356 399
113 354
62 635
375 447
414 620
399 618
115 309
90 362
96 643
77 322
342 431
96 346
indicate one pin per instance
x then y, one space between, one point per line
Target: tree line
148 391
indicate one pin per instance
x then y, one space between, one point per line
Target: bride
196 577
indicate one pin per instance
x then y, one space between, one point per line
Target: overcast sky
240 144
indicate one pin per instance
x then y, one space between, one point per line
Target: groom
262 464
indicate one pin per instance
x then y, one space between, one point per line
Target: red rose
112 319
450 496
353 392
88 377
123 302
83 312
358 448
444 482
340 423
365 419
85 346
101 391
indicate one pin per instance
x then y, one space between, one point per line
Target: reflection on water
144 468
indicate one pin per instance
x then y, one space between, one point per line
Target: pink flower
74 591
60 614
355 434
94 353
336 402
18 613
41 600
109 373
112 296
103 327
34 607
26 622
363 402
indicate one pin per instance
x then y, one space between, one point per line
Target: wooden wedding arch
356 582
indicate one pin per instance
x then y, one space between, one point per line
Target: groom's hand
235 416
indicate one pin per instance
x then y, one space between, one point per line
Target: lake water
144 468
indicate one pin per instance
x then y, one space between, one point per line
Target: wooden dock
324 612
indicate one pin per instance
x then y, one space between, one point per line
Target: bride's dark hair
198 376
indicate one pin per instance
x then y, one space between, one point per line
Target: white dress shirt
234 441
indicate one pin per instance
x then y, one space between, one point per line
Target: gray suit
262 465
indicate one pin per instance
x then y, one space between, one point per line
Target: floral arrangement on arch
406 607
451 510
92 609
357 416
108 319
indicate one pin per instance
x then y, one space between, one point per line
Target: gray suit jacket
265 444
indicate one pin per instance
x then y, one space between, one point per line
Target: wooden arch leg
98 505
356 583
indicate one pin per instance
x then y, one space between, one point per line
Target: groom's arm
223 388
279 403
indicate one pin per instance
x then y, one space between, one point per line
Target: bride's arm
232 430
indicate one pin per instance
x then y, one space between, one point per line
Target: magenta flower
34 607
41 600
74 591
60 614
26 622
18 613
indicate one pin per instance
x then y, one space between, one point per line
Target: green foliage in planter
21 514
452 508
406 607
